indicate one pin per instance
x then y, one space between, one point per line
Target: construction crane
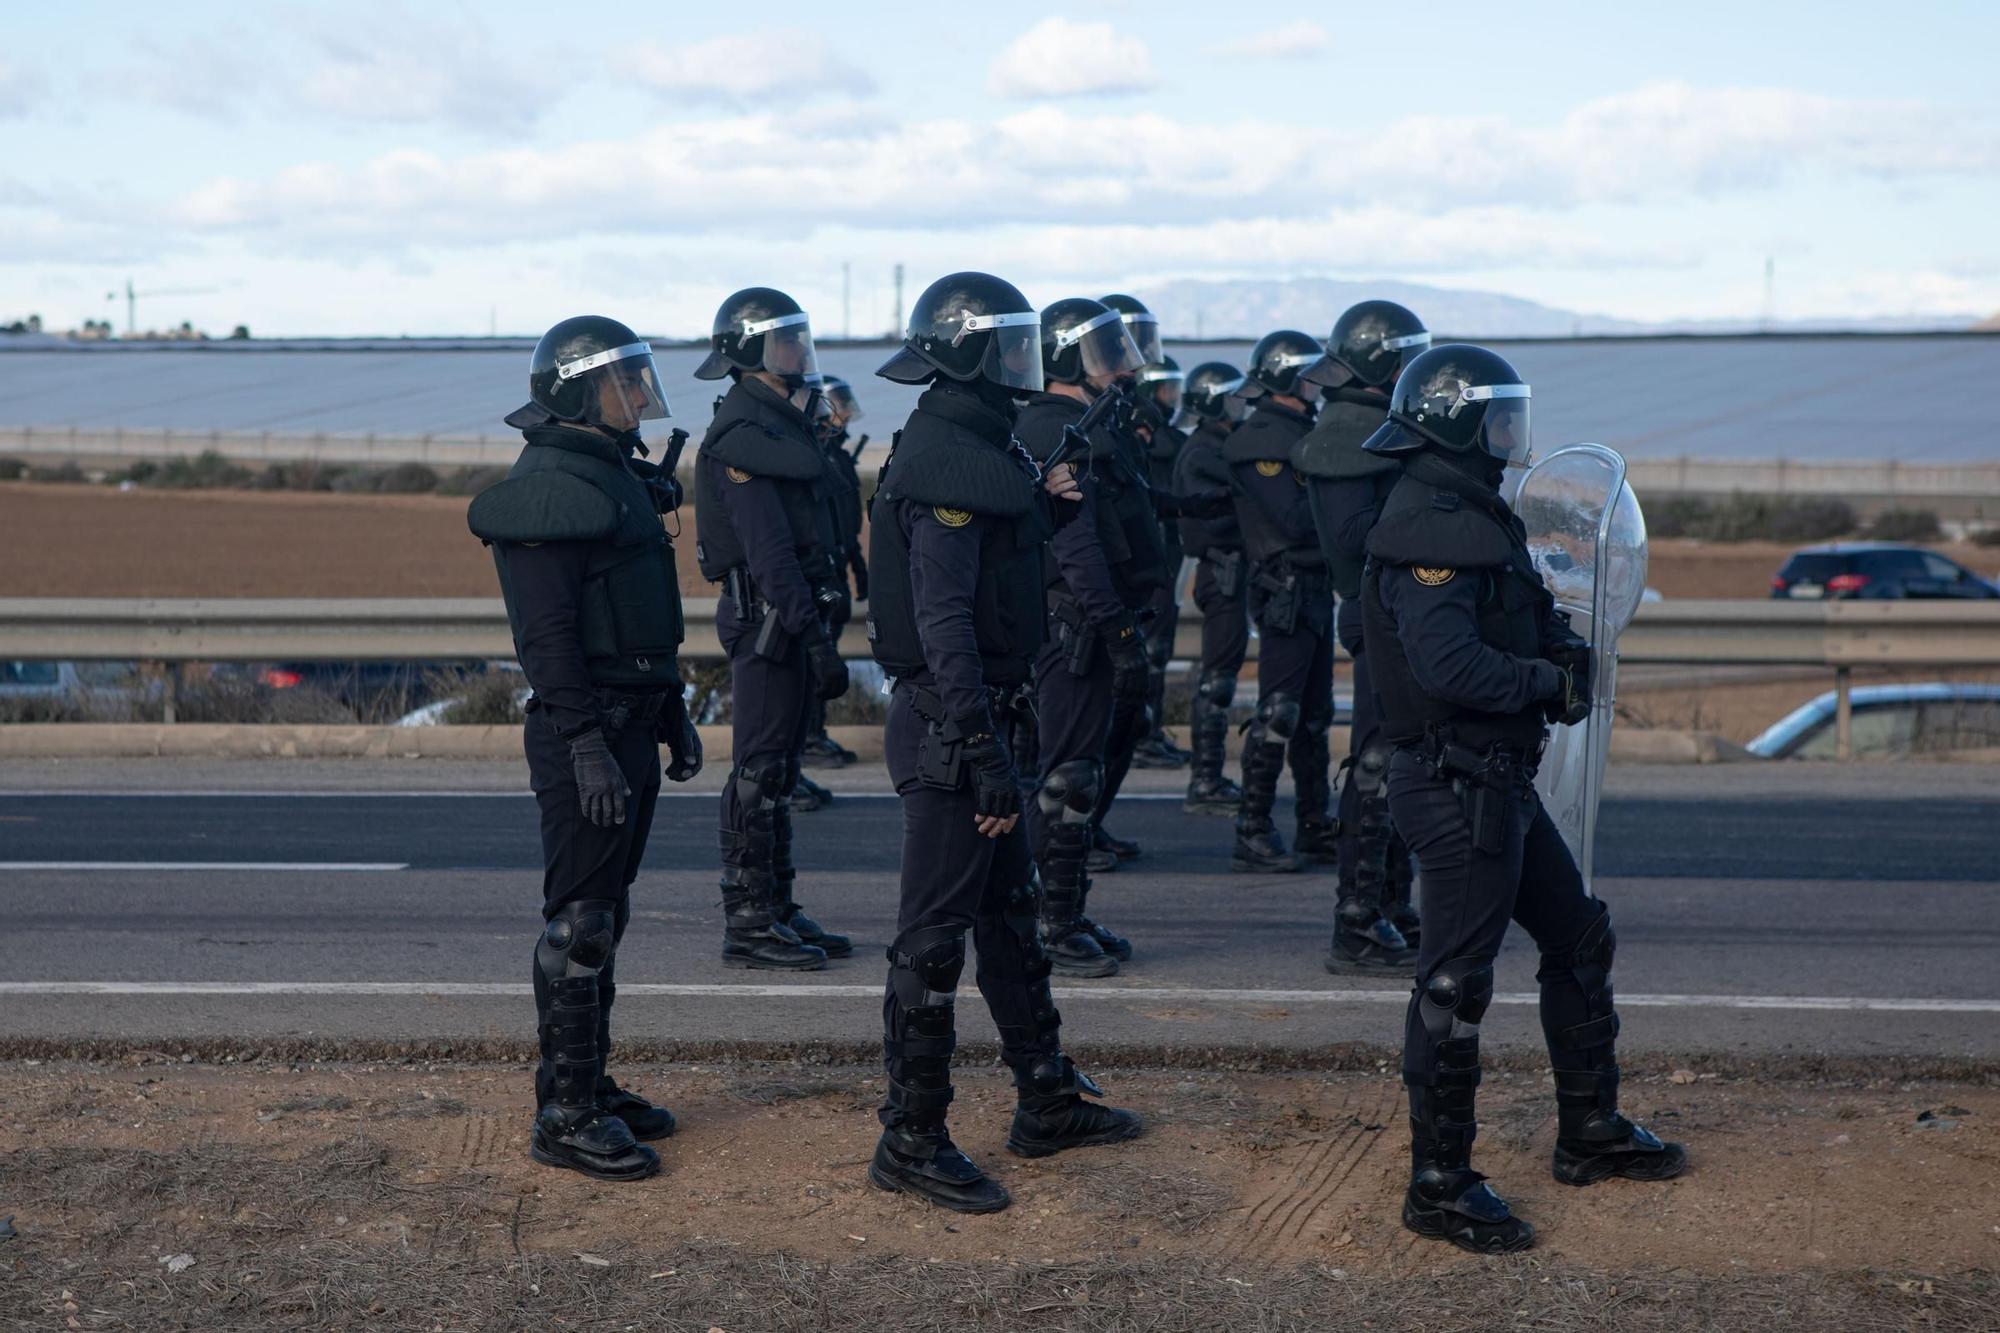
132 301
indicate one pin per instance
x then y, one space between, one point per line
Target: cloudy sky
386 167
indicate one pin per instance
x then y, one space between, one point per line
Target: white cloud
745 68
1058 58
416 72
1291 41
20 89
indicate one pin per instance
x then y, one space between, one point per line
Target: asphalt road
1773 909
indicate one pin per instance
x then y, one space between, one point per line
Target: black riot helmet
1141 323
1374 340
596 371
1160 387
1461 398
1085 342
838 395
761 328
1210 391
969 327
1286 362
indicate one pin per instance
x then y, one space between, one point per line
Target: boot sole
1030 1148
1108 967
1208 808
550 1159
758 965
1594 1170
882 1180
1253 868
1433 1224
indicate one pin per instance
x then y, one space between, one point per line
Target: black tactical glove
601 788
676 731
1130 672
1571 702
823 662
993 782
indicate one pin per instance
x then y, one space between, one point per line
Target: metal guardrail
1840 635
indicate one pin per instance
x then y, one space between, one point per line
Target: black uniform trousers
768 698
580 860
1072 712
1300 665
955 878
1470 895
1364 730
1225 624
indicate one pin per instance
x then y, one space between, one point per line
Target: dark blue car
1874 570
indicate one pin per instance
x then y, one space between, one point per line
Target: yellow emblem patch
1432 578
952 518
1269 467
738 475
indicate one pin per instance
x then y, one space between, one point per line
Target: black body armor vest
956 455
1201 467
575 485
1127 527
1262 446
758 433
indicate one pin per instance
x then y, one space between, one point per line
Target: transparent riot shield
1588 538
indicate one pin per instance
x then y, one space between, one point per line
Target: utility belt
1286 589
1076 634
774 641
941 753
1486 780
619 709
1228 567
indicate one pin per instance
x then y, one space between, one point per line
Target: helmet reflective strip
1071 337
751 328
1160 375
569 370
1286 360
1407 340
1139 317
1480 393
979 323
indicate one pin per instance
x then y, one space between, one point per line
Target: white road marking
1124 994
303 867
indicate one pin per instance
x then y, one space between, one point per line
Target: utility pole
896 330
846 299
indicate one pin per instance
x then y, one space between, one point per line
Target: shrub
487 699
207 471
1986 537
65 471
306 475
407 479
1676 515
12 469
470 480
1749 518
1904 525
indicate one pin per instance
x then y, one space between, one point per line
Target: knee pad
1455 997
579 939
1279 715
933 956
1217 689
761 781
1371 771
1069 793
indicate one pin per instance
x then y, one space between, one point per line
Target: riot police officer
1091 676
959 523
1291 601
1374 925
1471 662
836 409
1220 580
575 531
763 533
1156 418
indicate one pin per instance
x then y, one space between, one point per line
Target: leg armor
754 934
1066 802
571 1129
1258 846
1319 832
786 874
1365 939
918 1025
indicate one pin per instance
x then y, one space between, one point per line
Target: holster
1486 783
1074 632
1228 567
941 753
1279 613
617 710
742 591
774 642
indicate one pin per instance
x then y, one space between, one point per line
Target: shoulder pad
545 506
751 447
975 478
1424 526
1259 440
1332 449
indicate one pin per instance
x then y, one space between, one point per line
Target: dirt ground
321 1196
88 541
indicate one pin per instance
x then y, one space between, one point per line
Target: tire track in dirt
1282 1221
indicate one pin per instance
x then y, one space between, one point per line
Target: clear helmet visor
1503 431
1105 348
1013 349
840 400
788 347
1145 331
621 387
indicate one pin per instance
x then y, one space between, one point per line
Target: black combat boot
1594 1142
1258 846
809 931
1209 791
1318 842
1107 939
809 796
1365 943
571 1129
1052 1115
821 750
1447 1199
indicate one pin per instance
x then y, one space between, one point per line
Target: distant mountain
1190 308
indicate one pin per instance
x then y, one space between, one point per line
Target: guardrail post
1843 713
170 693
